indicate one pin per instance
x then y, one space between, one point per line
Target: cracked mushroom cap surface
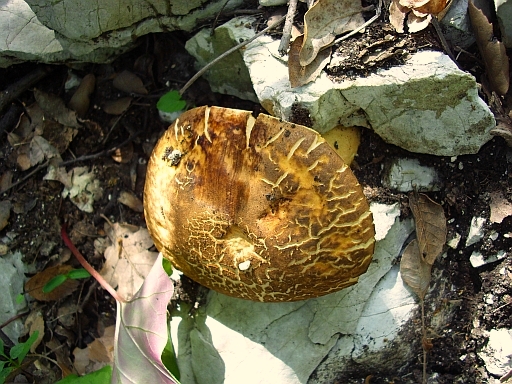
258 209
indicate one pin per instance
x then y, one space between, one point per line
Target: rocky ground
471 184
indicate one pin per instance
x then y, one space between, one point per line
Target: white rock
49 31
476 230
477 259
384 216
453 243
497 354
12 279
396 103
458 31
234 341
230 75
406 175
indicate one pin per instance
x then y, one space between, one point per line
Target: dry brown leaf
418 13
34 286
124 154
127 259
433 7
117 107
131 201
35 322
500 207
5 213
58 135
129 82
414 270
62 355
80 100
493 51
300 75
323 21
417 23
397 15
5 181
54 108
430 226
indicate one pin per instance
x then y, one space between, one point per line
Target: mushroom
256 208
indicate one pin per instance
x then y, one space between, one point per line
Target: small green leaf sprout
170 106
58 280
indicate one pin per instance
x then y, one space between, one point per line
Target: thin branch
34 171
374 17
227 53
101 153
214 24
89 267
287 29
15 90
444 43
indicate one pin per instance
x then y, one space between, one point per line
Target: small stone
405 175
498 352
477 259
476 231
453 243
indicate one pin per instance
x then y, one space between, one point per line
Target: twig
101 153
15 90
227 53
214 24
89 267
287 29
439 32
87 296
424 333
352 33
34 171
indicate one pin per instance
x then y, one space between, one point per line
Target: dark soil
162 63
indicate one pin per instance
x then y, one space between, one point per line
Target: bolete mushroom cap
258 209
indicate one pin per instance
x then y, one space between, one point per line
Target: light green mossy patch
431 94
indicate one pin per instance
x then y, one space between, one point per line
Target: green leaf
20 298
4 373
19 351
166 264
171 102
76 274
169 359
54 283
2 348
101 376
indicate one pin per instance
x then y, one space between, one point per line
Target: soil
483 295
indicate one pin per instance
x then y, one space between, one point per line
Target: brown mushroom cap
256 208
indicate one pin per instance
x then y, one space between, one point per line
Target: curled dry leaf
493 51
80 100
127 259
54 108
117 107
323 21
5 213
414 270
34 286
124 154
131 201
35 322
416 13
129 82
500 207
300 75
430 226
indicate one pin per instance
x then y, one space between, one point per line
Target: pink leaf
141 332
